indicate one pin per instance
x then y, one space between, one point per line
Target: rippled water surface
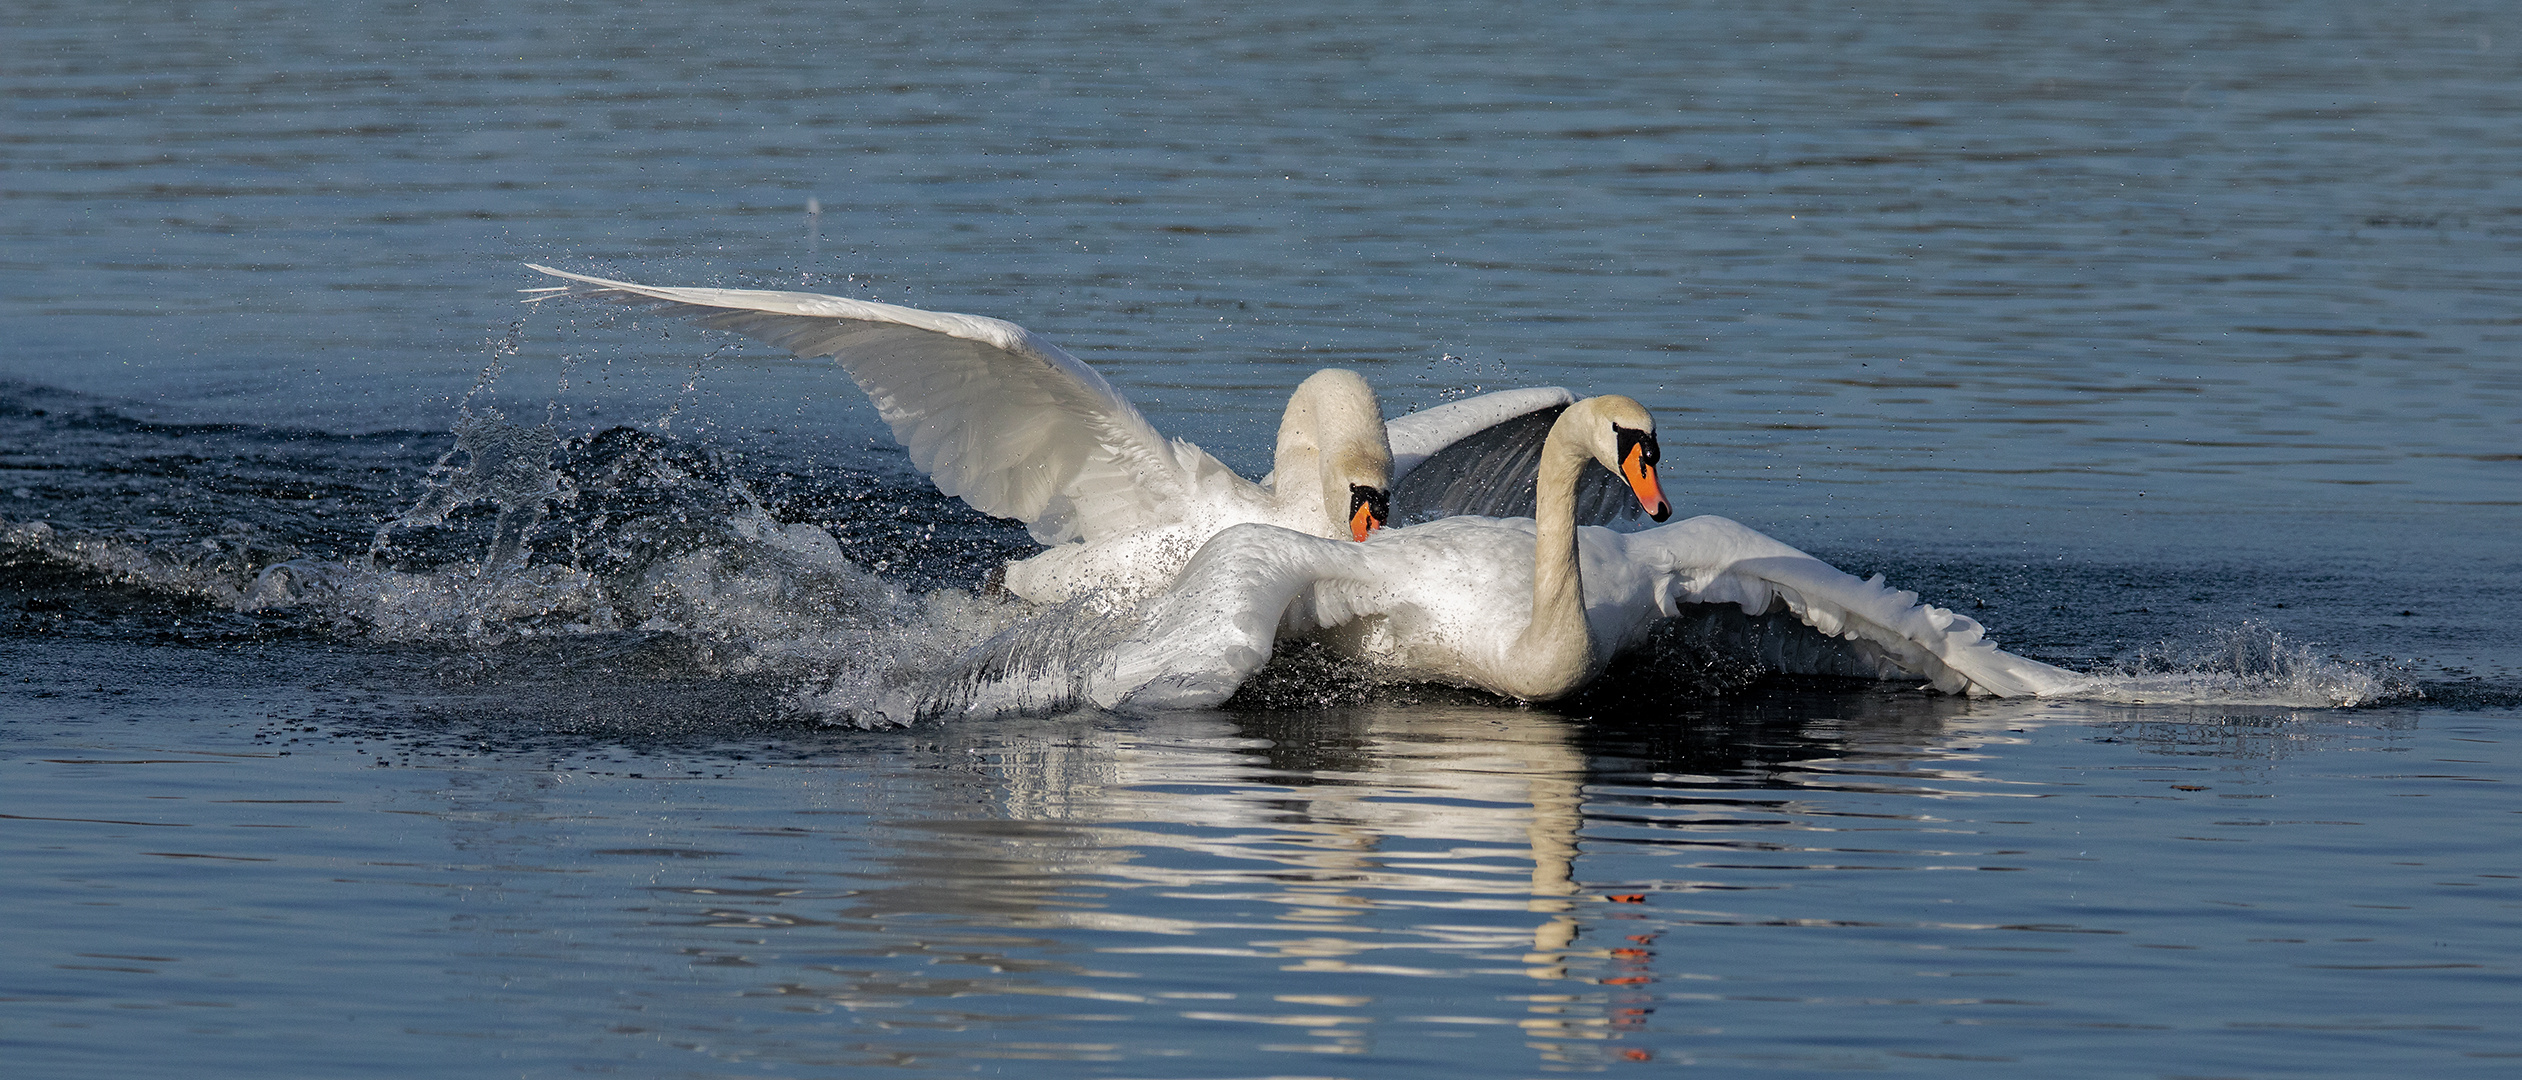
398 680
1786 880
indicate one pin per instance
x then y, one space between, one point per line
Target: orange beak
1641 478
1364 522
1368 506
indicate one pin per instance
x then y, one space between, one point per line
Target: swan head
1334 419
1369 508
1621 435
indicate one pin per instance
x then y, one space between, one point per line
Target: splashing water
626 534
2251 664
510 466
644 535
546 552
539 554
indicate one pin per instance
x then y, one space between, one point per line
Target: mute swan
1020 429
1530 608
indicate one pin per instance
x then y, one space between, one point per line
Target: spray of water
2250 664
526 543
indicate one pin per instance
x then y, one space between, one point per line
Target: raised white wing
1481 456
993 414
1711 560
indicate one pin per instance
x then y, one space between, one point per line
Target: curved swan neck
1295 452
1555 650
1331 438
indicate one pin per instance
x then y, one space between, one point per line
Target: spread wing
1219 622
993 414
1482 455
1711 560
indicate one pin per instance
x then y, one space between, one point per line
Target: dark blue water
2176 345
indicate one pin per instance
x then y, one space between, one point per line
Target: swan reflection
1289 882
1157 871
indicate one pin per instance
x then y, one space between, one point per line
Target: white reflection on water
1281 871
1195 872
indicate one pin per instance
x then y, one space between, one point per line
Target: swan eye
1641 441
1638 454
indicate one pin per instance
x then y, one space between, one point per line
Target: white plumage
1020 429
1488 603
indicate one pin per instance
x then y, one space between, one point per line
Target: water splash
2250 664
527 551
968 655
525 547
628 532
509 465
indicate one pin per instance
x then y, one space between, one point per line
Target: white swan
1530 608
1020 429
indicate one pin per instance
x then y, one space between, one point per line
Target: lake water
2174 345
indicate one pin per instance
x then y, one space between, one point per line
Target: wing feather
992 413
1712 560
1482 456
1219 621
1417 435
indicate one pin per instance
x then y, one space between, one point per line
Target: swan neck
1556 645
1295 461
1330 438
